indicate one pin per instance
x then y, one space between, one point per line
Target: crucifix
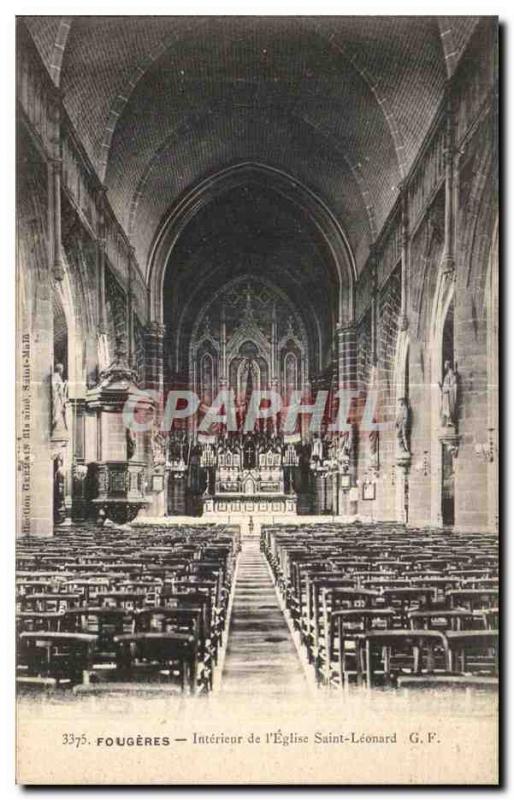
249 455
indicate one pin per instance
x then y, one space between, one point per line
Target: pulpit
121 468
121 489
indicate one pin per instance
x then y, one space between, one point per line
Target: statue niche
449 396
402 425
59 402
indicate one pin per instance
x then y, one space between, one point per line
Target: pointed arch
341 255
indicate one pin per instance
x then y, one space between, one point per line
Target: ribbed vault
342 103
250 230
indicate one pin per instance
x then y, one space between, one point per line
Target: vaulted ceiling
251 231
340 103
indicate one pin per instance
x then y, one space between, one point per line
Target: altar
248 477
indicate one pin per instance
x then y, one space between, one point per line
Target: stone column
450 184
77 409
36 501
177 494
405 258
347 356
223 382
403 460
54 193
335 493
154 356
420 477
374 307
347 379
274 364
319 496
130 302
100 262
54 218
474 439
37 350
154 380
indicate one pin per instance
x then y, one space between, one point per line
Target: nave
309 240
261 656
188 610
257 406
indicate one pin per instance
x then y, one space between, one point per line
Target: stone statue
373 442
131 442
402 425
373 459
59 489
344 451
345 444
59 399
448 396
159 444
317 449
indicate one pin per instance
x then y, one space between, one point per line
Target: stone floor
260 656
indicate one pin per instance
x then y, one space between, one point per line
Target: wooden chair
472 599
64 657
473 651
413 642
29 621
347 628
180 620
103 621
124 600
49 601
161 656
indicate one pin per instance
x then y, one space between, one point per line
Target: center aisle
261 657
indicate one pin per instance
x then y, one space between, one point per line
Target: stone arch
59 48
342 260
443 300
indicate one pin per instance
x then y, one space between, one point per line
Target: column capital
345 327
155 329
101 201
403 188
58 270
403 322
448 265
56 164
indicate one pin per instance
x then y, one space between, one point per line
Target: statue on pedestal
344 451
59 489
59 400
317 450
403 425
373 461
131 442
449 388
159 444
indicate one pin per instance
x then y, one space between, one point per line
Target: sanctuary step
260 655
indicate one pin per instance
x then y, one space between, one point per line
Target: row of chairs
110 610
379 604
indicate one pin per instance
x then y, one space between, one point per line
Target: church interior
257 368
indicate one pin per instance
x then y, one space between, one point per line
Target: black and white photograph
257 400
